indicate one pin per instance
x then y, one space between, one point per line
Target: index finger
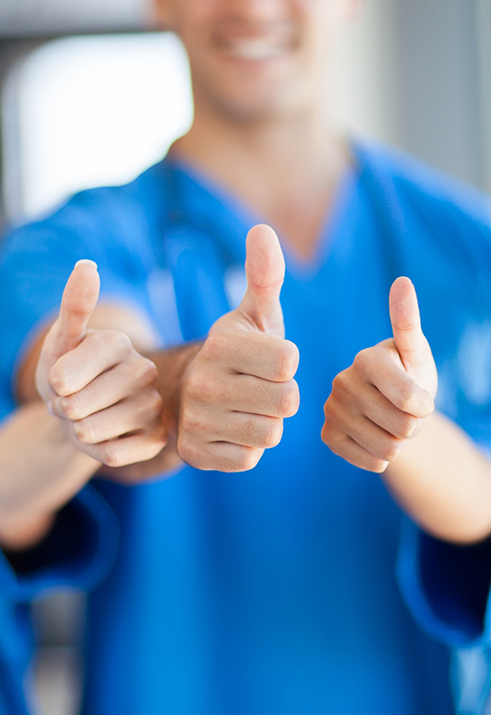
384 371
258 354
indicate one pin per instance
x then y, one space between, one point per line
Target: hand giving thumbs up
97 382
240 386
381 401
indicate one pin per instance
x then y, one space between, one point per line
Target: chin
249 90
252 109
249 102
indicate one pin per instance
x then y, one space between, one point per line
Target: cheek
184 17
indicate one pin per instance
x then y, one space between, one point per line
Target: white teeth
255 49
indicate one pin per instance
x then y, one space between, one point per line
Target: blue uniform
77 554
274 591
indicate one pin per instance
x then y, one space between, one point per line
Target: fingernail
86 262
49 405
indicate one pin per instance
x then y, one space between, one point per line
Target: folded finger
257 354
245 393
345 447
379 410
99 351
139 447
389 377
127 416
118 383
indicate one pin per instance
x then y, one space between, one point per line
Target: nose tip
260 10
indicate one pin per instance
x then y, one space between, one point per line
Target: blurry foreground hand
382 400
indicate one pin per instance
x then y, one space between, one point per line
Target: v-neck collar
209 206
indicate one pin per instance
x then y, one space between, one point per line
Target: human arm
40 472
380 416
99 376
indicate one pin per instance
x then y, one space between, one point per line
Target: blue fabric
274 591
89 556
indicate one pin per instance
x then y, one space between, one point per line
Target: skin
380 416
262 129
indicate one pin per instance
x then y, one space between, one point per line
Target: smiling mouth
255 48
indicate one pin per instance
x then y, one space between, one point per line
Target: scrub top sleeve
446 586
36 261
78 552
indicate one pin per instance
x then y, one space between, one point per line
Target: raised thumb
409 339
265 272
77 305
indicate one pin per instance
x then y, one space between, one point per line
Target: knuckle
216 347
407 427
147 370
117 341
286 361
327 433
112 456
71 407
273 434
406 398
150 404
341 382
377 465
199 387
390 450
151 450
247 459
334 440
363 359
59 382
84 431
289 399
191 422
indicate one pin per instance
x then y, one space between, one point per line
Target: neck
285 169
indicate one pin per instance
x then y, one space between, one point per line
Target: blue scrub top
274 591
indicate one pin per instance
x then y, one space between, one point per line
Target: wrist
172 366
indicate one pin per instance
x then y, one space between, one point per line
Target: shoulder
113 211
434 194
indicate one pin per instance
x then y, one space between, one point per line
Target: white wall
89 111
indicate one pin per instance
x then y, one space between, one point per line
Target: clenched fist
382 400
239 387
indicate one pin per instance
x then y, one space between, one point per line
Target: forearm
40 471
444 482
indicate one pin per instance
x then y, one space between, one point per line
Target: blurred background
91 94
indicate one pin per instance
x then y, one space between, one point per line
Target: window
89 111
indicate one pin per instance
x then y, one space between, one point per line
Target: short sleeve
105 225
